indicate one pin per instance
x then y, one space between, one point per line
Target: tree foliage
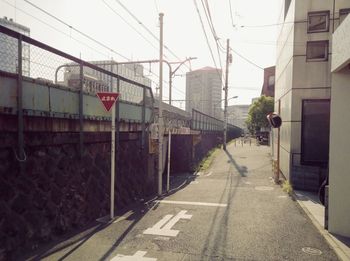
257 113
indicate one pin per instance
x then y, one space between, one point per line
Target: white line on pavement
138 256
191 203
164 226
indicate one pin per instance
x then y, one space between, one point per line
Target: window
342 14
315 132
317 51
318 22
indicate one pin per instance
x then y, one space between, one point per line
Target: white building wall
339 156
283 86
297 79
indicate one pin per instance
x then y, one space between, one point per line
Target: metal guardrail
74 95
31 84
203 122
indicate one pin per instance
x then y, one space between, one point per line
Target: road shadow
138 210
218 228
242 170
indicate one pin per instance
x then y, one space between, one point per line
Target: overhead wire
205 33
232 23
151 33
137 31
129 24
76 30
54 28
146 28
246 59
87 36
212 28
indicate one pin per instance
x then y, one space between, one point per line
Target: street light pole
226 91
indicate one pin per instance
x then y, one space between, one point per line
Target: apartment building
95 81
203 91
303 88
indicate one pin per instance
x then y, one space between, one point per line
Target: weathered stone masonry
60 191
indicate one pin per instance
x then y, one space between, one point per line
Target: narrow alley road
233 211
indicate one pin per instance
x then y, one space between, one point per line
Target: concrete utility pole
160 108
226 89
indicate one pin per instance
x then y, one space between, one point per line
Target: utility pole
226 90
160 114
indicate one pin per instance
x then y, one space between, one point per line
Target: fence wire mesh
9 55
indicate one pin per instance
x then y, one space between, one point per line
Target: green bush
287 187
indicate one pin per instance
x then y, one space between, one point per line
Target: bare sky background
127 29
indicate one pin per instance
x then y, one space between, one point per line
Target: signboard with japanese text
108 99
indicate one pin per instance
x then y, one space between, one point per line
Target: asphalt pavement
232 211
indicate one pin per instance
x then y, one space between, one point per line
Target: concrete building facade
203 91
339 149
95 81
303 88
9 49
237 115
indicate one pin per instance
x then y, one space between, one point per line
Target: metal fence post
81 112
21 154
117 114
143 123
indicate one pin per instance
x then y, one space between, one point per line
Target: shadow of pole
242 170
219 237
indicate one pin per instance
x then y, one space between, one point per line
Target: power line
205 33
125 21
145 27
212 28
264 25
54 28
233 25
47 24
246 59
76 30
84 34
114 11
156 5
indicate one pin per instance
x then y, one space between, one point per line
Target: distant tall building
203 91
9 49
237 115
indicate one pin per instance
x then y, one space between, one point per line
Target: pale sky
183 35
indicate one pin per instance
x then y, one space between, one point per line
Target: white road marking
194 182
163 227
282 196
162 238
138 256
247 182
191 203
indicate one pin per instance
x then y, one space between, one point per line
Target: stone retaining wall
59 191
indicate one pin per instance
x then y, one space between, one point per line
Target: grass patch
287 187
207 160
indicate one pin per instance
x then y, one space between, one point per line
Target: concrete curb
342 255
